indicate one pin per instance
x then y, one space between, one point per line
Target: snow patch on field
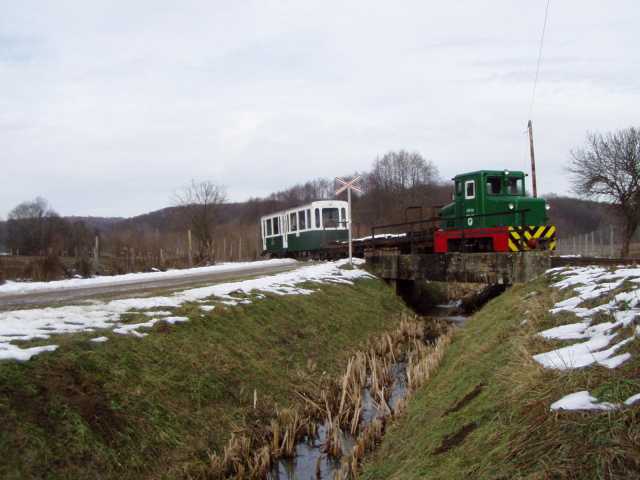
22 325
598 343
584 401
16 288
581 401
592 283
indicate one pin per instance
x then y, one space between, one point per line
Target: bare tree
398 180
608 167
401 171
31 227
201 201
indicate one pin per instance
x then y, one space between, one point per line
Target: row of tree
33 228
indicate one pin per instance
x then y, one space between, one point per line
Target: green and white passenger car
305 231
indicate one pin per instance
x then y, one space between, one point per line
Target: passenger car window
317 218
494 185
303 221
330 217
343 212
276 226
268 229
470 189
515 186
293 223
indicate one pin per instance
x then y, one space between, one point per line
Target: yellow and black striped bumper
522 239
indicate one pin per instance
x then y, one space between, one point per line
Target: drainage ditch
328 437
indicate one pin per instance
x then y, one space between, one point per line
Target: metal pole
349 224
533 161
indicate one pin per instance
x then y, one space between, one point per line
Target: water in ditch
310 461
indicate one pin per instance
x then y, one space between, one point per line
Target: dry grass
338 405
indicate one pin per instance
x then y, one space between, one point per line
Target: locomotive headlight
511 206
547 207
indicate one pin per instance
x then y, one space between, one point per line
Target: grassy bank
155 407
486 412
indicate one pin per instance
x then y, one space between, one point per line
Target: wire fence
604 242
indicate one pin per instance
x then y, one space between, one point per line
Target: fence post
96 253
611 241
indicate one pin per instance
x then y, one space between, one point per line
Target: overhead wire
540 47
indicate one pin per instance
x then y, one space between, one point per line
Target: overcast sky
107 107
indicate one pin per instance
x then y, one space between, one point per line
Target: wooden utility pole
189 247
533 161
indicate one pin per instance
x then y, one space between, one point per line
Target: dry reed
343 405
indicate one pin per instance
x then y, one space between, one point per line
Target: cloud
110 107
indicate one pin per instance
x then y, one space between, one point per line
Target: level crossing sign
348 186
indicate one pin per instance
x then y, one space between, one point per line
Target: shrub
45 269
83 267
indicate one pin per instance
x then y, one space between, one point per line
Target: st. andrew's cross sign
348 186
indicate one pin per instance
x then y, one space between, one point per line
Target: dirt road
66 295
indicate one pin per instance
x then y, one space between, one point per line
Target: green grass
505 430
154 407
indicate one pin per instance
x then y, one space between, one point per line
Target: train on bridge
490 212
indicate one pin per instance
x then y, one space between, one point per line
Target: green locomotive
491 212
304 231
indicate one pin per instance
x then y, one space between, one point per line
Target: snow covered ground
381 236
12 288
599 343
96 316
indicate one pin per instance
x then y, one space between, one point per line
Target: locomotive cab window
515 186
470 189
293 224
268 229
276 226
494 185
330 217
317 218
458 188
343 212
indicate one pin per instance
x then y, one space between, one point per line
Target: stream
311 462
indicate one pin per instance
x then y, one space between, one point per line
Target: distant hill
96 223
570 215
573 216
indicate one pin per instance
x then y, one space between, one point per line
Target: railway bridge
490 268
